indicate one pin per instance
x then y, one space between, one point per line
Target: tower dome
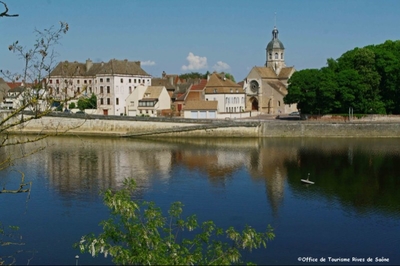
275 43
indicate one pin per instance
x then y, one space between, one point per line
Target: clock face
254 86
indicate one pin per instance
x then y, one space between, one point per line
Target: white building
111 82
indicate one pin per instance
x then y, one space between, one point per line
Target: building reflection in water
87 165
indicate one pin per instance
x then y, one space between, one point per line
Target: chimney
163 74
89 64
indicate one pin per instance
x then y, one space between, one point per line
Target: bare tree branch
5 13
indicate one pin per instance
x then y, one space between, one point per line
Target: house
111 82
4 88
266 86
194 93
13 98
229 95
201 109
148 101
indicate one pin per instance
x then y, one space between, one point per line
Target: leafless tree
5 13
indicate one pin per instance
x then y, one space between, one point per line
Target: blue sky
180 36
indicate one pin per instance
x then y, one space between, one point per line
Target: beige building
266 86
148 101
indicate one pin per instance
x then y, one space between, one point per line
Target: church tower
275 53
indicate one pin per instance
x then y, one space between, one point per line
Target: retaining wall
118 126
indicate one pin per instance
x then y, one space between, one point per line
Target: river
351 212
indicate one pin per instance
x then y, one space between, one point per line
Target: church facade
266 86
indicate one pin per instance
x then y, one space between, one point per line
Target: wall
122 126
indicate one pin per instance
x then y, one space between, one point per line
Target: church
266 86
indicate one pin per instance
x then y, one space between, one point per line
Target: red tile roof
200 86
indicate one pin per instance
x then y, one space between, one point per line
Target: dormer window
215 90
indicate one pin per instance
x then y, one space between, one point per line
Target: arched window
281 55
270 55
276 56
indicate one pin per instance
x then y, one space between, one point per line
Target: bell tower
275 53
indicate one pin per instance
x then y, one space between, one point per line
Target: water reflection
360 173
356 176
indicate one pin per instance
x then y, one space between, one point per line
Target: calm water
353 210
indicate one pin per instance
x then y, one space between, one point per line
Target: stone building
112 82
265 86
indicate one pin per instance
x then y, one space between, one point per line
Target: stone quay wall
172 127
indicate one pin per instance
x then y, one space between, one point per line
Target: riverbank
172 127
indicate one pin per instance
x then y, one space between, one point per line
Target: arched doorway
254 104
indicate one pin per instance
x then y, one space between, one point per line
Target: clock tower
275 53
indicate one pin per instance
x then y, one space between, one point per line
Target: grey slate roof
90 69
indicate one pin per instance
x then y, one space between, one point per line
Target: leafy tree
197 75
191 75
302 90
138 233
230 76
365 79
88 103
71 105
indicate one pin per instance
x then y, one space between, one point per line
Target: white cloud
148 63
195 62
221 66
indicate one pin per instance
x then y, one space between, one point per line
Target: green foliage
88 103
139 233
71 105
230 76
365 79
192 75
197 75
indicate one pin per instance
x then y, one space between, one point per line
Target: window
84 81
108 89
108 79
78 90
129 80
101 80
130 90
281 55
51 81
90 81
215 90
117 101
57 81
122 80
108 101
270 55
134 81
276 55
101 101
90 89
279 103
78 81
133 103
101 89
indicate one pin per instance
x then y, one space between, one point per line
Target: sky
181 36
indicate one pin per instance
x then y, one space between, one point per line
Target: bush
138 233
